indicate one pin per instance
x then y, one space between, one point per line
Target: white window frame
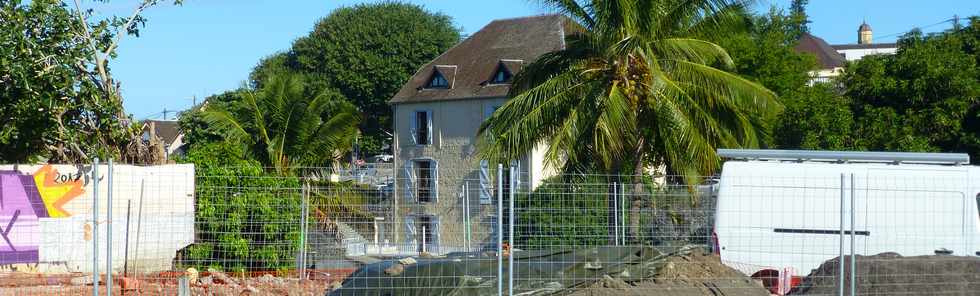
412 182
428 127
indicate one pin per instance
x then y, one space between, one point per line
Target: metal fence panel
491 232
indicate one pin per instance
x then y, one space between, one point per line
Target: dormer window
437 81
502 76
442 77
505 71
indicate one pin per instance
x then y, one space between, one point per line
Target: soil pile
892 274
694 274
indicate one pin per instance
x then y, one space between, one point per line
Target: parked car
779 213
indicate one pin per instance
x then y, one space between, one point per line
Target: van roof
845 156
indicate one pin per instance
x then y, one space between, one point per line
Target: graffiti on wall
24 199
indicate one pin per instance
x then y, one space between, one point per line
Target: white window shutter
434 244
434 166
415 125
409 182
486 193
428 116
410 237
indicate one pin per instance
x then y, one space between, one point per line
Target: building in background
832 58
865 46
444 191
166 133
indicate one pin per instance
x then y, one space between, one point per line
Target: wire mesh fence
168 230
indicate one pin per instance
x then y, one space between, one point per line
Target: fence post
615 212
304 209
510 231
840 267
95 226
466 216
129 204
500 229
108 247
623 210
853 263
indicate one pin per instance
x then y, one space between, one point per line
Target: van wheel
769 279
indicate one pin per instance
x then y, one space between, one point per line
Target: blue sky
209 46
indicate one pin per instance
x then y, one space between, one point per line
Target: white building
444 191
832 58
865 46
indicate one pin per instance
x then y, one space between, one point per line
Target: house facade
445 194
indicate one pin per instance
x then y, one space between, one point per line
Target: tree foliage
283 127
366 52
58 99
801 21
920 98
815 118
635 83
764 52
923 98
197 131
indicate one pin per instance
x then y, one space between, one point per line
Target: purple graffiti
20 207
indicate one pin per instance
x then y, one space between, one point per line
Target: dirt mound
699 273
892 274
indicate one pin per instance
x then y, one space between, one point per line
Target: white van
779 211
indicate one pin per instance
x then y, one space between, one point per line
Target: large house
832 58
445 193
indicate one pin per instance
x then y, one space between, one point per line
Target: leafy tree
366 52
920 98
59 100
197 131
283 128
884 129
764 53
637 85
801 21
815 118
38 85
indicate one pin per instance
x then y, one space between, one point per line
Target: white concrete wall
161 225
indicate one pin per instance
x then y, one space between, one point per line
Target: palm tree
637 84
284 128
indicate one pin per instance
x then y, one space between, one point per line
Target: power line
916 28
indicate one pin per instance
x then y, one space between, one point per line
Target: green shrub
246 219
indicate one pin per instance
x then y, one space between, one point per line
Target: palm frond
573 10
693 50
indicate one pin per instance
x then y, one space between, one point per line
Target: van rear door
917 211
